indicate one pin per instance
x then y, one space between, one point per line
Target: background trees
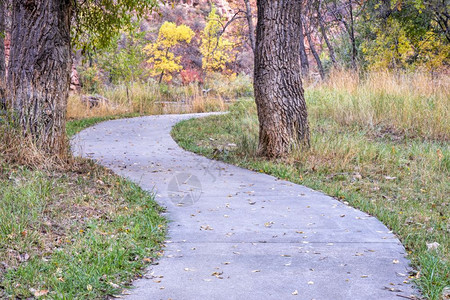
164 61
379 34
215 49
360 35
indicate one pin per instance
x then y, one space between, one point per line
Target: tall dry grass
414 104
151 98
15 149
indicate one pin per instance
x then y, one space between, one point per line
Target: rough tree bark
313 50
277 82
303 57
39 71
251 27
2 56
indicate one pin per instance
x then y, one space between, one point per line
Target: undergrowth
71 232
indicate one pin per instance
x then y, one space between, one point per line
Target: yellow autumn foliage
215 49
392 48
164 62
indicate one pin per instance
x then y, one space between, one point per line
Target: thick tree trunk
303 57
314 52
2 56
39 71
278 87
251 27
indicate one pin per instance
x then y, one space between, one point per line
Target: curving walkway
237 234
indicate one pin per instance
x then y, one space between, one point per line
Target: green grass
399 178
75 126
80 233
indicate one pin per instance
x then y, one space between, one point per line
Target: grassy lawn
376 149
75 126
79 233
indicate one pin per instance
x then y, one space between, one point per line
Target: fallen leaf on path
217 274
206 227
268 224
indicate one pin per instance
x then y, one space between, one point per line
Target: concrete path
237 234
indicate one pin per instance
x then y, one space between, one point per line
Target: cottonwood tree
123 59
40 59
2 55
303 56
345 14
312 47
323 30
278 88
162 58
216 50
251 27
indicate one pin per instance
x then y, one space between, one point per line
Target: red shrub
189 76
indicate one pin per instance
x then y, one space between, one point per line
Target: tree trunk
2 56
277 82
314 52
324 34
303 57
251 27
39 71
352 36
349 28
